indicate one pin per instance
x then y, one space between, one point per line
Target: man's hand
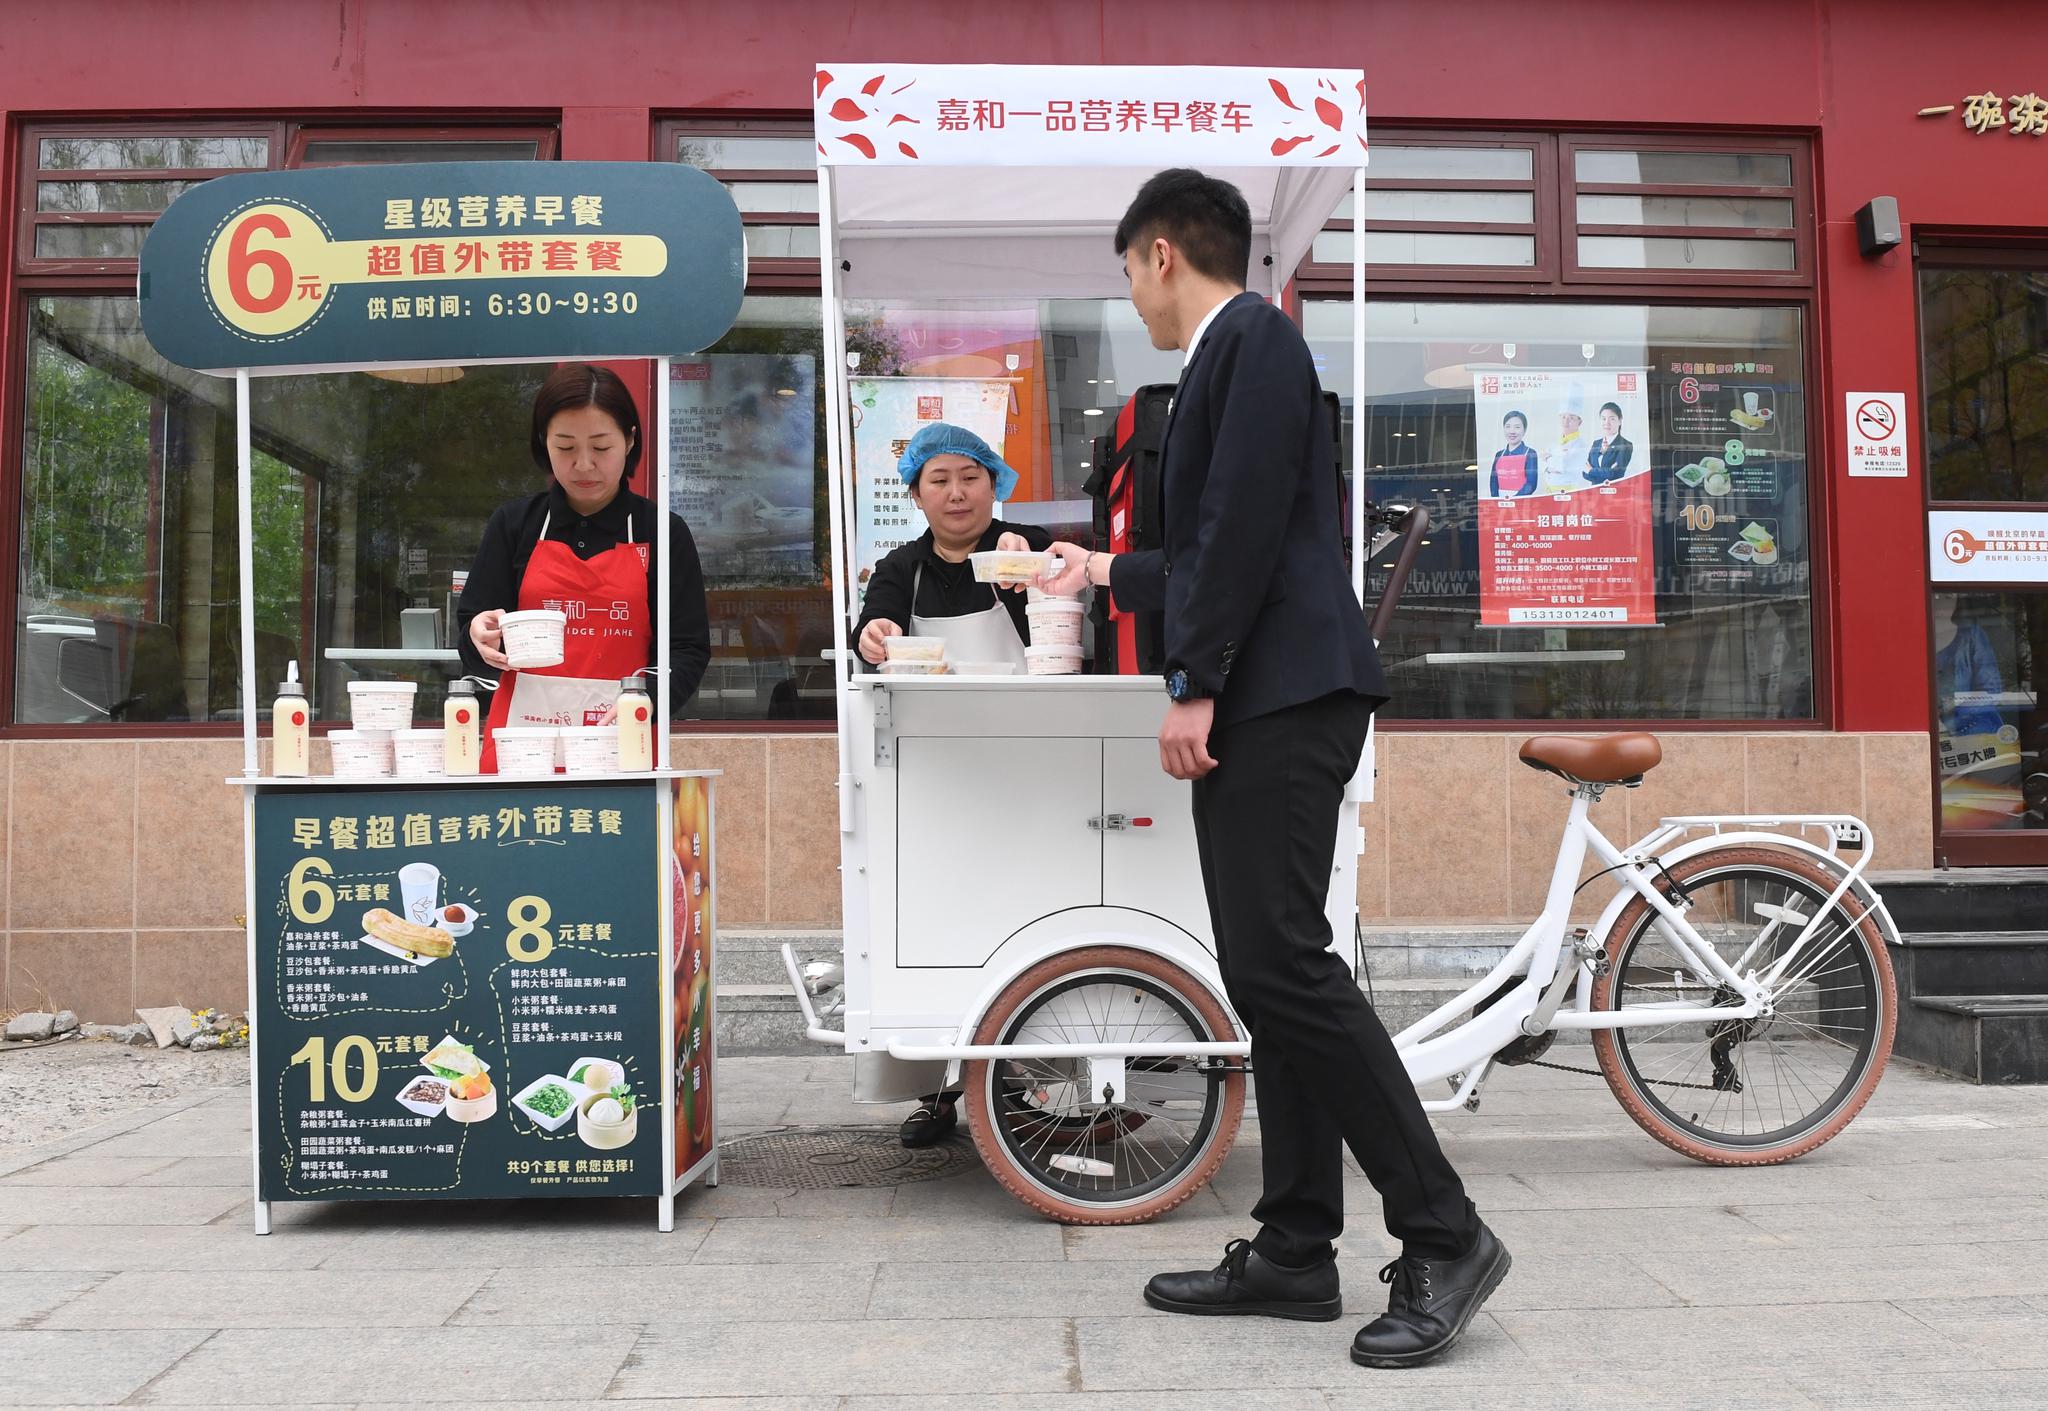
1184 739
1072 574
489 638
872 638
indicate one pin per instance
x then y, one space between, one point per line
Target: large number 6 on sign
241 259
312 902
529 940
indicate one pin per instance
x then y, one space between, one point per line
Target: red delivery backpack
1124 483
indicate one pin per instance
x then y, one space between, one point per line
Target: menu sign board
457 992
427 262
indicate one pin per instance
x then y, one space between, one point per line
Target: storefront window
368 503
1039 380
1983 332
1620 496
1993 735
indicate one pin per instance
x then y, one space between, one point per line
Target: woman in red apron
583 547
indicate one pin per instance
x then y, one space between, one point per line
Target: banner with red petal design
1055 115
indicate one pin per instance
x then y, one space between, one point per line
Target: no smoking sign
1876 433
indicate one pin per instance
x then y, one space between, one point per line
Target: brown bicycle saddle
1622 758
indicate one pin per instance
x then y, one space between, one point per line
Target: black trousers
1325 1067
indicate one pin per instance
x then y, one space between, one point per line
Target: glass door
1984 329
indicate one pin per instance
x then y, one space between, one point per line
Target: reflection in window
1987 689
1716 423
1984 333
367 498
748 440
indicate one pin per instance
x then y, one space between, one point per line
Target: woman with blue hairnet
927 588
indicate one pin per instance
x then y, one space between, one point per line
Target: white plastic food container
1010 565
526 751
419 754
362 754
590 749
1055 622
915 648
381 705
534 639
913 668
1052 661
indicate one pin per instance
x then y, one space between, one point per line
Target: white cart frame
928 946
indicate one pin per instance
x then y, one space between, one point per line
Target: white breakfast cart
1024 909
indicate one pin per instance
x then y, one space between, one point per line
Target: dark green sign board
442 262
511 1045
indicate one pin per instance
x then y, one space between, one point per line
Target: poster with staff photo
1564 498
743 444
887 412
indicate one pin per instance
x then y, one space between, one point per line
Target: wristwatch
1180 687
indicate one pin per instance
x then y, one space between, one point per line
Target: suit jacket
1251 572
1608 460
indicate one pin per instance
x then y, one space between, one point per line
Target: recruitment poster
743 443
457 993
1564 498
887 412
695 921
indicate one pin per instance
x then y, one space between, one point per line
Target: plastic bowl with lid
912 668
1055 622
526 751
362 754
915 648
1020 566
381 705
533 639
419 754
1052 661
590 749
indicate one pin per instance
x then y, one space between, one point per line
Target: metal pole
1359 546
246 550
662 695
836 401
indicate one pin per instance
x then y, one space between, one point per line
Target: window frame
27 278
546 137
765 275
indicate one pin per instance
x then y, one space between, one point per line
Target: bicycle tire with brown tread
980 1111
1607 1045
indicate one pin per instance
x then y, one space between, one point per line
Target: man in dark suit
1273 679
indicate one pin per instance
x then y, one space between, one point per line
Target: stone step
1984 1038
1954 962
1966 899
763 1020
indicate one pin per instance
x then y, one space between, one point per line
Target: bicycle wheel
1749 1092
1064 1152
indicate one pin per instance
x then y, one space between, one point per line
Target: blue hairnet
942 438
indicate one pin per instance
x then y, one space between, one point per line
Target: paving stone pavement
1904 1265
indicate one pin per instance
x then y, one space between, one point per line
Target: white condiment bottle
636 726
462 729
291 729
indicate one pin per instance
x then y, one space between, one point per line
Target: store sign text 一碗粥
447 262
2020 115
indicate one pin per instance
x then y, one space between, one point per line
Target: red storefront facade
1802 112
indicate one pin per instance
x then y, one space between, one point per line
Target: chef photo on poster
1564 497
743 437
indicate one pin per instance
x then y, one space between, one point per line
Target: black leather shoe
1431 1302
932 1120
1247 1282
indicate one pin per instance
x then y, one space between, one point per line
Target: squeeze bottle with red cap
291 730
636 726
462 729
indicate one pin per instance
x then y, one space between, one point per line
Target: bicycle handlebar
1410 522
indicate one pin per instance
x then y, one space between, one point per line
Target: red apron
610 637
1512 474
